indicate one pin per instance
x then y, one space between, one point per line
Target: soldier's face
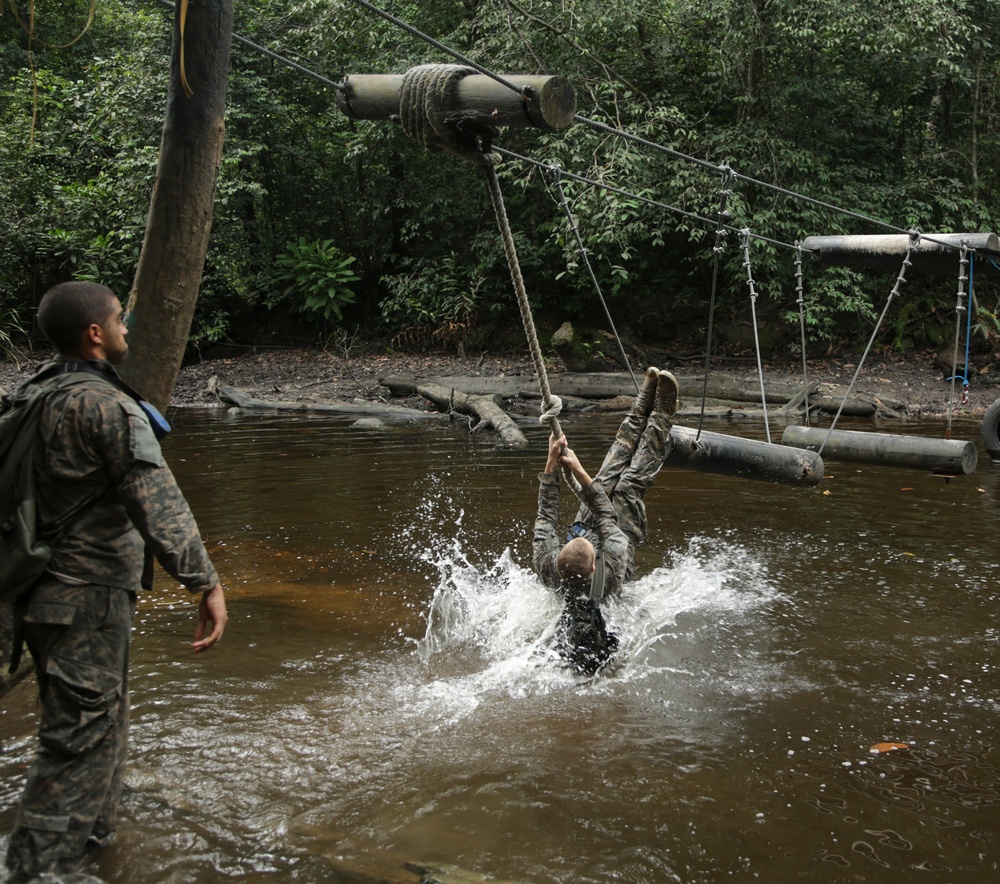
113 332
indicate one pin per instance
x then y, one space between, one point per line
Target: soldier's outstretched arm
211 609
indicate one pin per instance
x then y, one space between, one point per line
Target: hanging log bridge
544 102
947 457
937 253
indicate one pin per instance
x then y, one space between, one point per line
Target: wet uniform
104 493
613 521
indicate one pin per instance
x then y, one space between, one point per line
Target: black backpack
23 557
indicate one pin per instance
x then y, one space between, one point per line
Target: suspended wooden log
950 457
746 458
886 251
550 102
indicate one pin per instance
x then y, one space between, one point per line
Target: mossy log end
486 408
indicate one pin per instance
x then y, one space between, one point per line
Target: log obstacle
884 251
549 103
950 457
745 458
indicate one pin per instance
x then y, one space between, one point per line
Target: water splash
492 627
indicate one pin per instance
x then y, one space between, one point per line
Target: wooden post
746 458
950 457
551 103
886 251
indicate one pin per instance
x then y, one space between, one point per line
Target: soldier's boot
666 395
643 404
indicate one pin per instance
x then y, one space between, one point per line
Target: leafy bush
318 275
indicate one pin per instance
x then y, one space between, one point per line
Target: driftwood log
373 409
485 408
610 385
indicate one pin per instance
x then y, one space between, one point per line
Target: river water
384 695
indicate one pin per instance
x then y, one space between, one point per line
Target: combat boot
666 395
643 404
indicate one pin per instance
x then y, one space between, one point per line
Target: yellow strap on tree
188 91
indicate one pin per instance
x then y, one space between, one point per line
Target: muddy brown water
384 696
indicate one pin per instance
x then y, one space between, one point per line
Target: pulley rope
914 242
745 245
555 177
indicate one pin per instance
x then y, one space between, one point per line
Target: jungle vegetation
327 228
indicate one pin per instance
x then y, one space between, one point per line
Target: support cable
914 242
555 178
801 301
745 245
656 204
263 50
525 93
720 232
963 263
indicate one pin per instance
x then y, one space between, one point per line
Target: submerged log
376 409
485 408
745 458
949 457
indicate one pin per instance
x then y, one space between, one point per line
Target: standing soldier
105 495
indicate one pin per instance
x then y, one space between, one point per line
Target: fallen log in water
376 409
611 385
485 408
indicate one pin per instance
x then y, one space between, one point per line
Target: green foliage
872 107
317 276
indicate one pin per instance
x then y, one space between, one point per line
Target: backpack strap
56 368
597 579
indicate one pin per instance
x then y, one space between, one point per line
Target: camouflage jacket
104 492
547 540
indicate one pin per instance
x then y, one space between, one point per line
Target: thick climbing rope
422 108
551 404
425 100
556 178
720 232
801 301
914 242
963 263
745 245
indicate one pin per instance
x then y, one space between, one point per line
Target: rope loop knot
427 114
552 408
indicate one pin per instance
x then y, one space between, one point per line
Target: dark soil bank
912 386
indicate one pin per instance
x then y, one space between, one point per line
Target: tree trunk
168 277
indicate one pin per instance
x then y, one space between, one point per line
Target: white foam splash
489 630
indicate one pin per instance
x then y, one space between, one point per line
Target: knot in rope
426 111
553 408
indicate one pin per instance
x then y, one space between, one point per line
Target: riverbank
911 386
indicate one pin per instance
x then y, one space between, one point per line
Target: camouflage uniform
104 494
612 514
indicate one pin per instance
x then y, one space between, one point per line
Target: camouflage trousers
79 639
629 469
